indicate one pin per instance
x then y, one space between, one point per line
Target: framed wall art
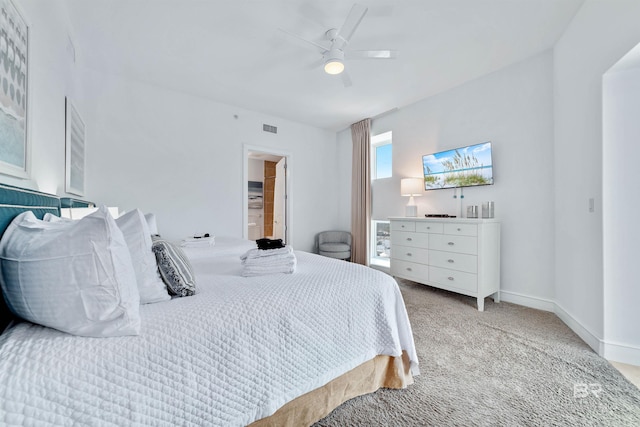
255 195
14 91
75 151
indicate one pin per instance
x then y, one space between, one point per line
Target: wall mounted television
461 167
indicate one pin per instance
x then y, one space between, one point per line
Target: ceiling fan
334 50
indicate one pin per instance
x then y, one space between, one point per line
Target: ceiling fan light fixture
333 66
333 62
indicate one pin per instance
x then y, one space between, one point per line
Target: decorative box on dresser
457 254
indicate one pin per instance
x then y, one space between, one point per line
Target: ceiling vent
269 128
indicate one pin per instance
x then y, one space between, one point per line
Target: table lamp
411 187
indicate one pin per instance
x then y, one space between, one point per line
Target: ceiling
231 51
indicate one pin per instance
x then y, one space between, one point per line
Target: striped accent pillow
174 267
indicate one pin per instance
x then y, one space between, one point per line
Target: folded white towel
261 270
266 253
256 264
279 263
268 260
200 242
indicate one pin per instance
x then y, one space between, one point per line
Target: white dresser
457 254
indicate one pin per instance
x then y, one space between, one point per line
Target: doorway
266 198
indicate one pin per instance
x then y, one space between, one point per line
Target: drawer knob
402 226
459 229
450 261
409 239
409 269
428 228
450 278
451 243
409 254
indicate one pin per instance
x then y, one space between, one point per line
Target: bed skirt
379 372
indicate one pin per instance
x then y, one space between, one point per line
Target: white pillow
136 233
151 222
74 276
49 217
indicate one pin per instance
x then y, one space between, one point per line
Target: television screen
460 167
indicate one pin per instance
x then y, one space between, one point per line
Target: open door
269 170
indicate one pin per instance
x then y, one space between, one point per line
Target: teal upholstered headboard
14 201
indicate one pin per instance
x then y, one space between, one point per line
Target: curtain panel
361 191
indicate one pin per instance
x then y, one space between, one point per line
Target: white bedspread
229 355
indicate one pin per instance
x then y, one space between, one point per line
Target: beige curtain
361 191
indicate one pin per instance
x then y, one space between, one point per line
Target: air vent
269 128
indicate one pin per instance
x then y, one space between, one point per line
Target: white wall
513 108
621 179
181 157
599 35
53 76
256 170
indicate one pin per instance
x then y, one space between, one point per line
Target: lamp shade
411 186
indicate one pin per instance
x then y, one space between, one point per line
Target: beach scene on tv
460 167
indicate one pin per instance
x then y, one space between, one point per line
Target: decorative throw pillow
74 276
136 234
175 269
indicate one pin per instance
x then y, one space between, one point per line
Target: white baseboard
548 305
587 336
527 301
618 352
622 353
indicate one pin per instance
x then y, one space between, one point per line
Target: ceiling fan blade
346 80
306 43
371 54
315 64
351 24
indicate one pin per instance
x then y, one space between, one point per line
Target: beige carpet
508 366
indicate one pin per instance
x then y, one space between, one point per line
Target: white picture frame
14 91
75 150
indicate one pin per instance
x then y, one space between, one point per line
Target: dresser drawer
429 227
407 253
458 229
449 243
403 226
409 270
452 278
454 261
404 238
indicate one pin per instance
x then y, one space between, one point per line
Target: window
381 243
381 156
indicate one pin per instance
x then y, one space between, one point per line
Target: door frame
247 148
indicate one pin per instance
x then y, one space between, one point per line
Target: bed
281 349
